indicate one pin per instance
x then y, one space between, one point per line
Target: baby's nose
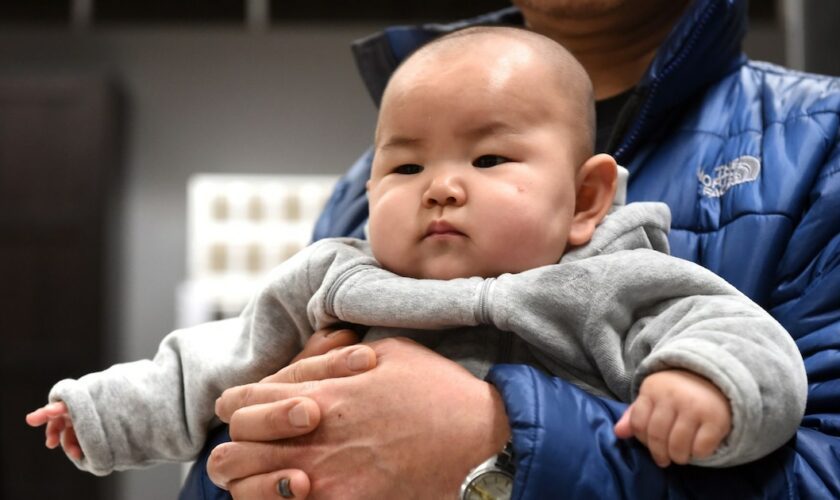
445 190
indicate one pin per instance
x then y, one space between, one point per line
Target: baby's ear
596 184
367 185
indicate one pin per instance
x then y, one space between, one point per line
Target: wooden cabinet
59 150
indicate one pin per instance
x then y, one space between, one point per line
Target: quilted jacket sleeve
547 415
806 301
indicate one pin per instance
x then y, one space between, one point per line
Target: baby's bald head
547 72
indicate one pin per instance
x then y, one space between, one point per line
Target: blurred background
110 110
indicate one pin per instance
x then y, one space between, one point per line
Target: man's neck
615 47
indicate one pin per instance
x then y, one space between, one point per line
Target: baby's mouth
441 228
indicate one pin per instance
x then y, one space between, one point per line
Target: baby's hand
59 428
678 416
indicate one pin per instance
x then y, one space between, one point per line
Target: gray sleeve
744 352
626 315
369 295
141 413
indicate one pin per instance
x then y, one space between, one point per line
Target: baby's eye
408 169
487 161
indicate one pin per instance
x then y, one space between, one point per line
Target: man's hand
411 427
325 340
59 428
678 415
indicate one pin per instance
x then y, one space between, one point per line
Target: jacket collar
703 46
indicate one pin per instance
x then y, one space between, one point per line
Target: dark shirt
607 112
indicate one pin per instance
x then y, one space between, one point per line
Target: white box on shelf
239 228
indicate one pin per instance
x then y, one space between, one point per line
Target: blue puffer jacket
746 155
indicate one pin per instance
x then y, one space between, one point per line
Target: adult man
745 154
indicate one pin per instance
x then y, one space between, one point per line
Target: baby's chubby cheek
387 251
526 239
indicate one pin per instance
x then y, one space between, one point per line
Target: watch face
490 485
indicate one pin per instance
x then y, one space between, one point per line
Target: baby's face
473 173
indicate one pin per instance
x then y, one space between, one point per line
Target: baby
489 241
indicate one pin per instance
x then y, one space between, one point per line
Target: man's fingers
272 421
325 340
290 483
254 394
342 362
236 460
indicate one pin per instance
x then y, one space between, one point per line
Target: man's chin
569 9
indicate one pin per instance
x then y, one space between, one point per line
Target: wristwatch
492 479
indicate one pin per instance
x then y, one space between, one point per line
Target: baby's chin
451 273
445 268
441 275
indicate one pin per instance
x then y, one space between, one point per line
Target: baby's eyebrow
400 141
488 129
470 133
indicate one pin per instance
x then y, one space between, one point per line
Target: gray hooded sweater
609 314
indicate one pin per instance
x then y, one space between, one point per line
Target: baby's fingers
37 418
681 440
623 429
53 432
640 417
70 443
707 440
658 431
42 415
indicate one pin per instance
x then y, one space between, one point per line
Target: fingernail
284 488
358 360
298 416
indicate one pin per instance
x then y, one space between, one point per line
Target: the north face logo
738 171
